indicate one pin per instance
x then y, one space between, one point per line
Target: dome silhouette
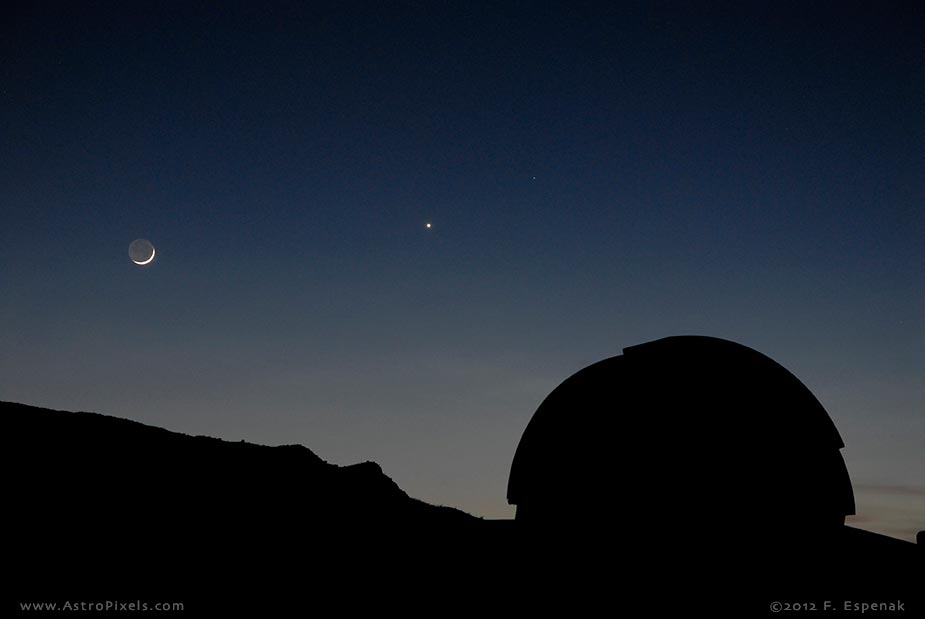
682 431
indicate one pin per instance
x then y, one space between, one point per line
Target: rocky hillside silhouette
104 504
96 472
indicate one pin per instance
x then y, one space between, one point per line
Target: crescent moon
148 261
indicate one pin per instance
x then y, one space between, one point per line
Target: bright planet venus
141 251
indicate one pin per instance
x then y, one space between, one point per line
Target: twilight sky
594 179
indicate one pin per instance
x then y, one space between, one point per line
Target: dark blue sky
596 178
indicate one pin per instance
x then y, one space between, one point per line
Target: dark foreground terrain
105 509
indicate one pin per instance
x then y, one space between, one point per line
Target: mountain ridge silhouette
106 507
141 444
